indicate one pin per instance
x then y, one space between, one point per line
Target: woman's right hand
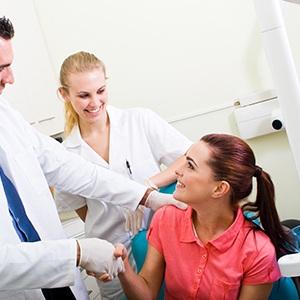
120 251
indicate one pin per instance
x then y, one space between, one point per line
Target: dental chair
289 264
140 244
285 288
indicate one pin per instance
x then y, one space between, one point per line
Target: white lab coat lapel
117 151
75 143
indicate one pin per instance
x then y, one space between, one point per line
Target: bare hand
120 251
103 277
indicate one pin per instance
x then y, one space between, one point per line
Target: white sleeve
26 261
72 173
166 142
66 202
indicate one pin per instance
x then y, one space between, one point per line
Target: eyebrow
4 66
103 86
190 159
100 88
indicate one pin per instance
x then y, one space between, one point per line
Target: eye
190 166
101 91
83 96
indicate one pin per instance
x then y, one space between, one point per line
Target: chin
176 196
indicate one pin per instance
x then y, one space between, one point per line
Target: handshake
97 257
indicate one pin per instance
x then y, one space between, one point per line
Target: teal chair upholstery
284 289
140 243
139 248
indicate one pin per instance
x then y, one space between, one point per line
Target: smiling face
6 58
88 95
195 177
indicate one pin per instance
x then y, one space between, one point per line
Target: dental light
281 63
293 1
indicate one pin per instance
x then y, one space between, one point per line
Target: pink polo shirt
216 270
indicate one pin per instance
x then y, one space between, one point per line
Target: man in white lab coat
33 162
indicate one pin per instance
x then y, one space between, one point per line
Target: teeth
180 184
95 110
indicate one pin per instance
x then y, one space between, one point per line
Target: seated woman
211 251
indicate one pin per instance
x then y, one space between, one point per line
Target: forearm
38 258
168 175
135 286
93 181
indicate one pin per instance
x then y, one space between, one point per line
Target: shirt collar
75 143
222 242
227 238
187 230
74 139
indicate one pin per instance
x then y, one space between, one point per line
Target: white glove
134 219
156 200
148 183
97 256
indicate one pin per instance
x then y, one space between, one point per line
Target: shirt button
204 256
199 271
17 220
195 285
226 287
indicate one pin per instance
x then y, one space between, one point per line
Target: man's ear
221 189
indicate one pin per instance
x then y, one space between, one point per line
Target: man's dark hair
6 28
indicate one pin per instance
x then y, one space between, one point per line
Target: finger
90 273
140 219
180 205
131 219
127 222
103 277
134 223
119 248
120 251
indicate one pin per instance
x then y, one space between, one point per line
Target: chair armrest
290 265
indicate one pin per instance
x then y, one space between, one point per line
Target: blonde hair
76 63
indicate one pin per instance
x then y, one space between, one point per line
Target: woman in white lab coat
133 142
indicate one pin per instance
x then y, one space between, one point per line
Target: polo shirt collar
187 230
222 242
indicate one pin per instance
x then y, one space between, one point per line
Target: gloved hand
97 256
148 183
156 200
134 219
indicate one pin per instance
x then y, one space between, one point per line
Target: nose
8 76
178 171
95 101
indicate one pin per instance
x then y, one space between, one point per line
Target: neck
100 127
97 136
209 226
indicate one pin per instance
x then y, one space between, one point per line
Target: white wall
34 92
178 58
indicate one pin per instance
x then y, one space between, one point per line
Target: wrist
78 254
146 195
